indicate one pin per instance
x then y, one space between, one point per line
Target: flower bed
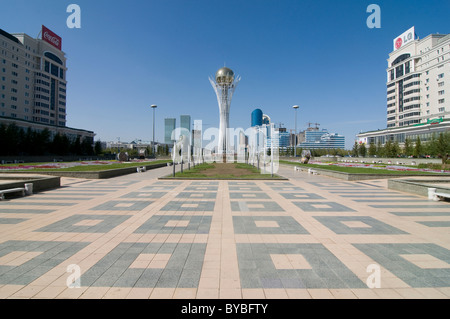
388 167
61 165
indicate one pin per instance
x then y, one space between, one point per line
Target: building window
399 71
440 84
441 101
440 76
442 109
441 92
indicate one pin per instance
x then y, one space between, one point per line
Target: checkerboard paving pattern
138 236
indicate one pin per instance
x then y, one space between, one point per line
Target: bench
432 194
12 190
141 169
441 195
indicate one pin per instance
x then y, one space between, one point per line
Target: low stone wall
352 176
95 174
419 186
40 183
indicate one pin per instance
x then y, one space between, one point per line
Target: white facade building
418 89
33 83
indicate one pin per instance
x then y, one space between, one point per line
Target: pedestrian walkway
307 237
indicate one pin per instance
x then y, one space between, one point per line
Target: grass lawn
358 170
82 168
223 171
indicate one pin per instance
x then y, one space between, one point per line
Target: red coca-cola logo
398 43
50 37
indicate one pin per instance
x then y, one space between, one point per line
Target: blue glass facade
315 139
257 118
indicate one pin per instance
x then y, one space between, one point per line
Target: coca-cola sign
50 37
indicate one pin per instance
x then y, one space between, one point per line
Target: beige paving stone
432 293
28 291
8 290
343 294
185 293
139 293
230 293
117 293
275 293
298 294
386 293
256 293
208 293
162 293
50 292
71 293
94 293
320 294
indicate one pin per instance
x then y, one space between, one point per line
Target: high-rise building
185 123
33 83
257 118
418 89
321 139
169 127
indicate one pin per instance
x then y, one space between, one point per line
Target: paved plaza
138 236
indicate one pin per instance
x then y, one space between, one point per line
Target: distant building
321 139
185 122
257 118
169 127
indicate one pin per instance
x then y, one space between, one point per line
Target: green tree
362 150
443 147
408 148
418 147
355 149
388 149
372 149
396 149
98 148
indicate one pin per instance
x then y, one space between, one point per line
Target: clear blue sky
318 54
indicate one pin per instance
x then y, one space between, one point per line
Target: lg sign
404 39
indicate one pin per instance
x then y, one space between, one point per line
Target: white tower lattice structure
224 85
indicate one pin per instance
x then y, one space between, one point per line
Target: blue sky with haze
320 55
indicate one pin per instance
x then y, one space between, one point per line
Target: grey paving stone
197 195
248 195
35 267
68 224
286 225
157 225
175 275
189 206
330 207
301 196
261 206
336 224
388 256
144 195
116 205
267 276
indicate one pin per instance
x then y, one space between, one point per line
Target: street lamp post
153 141
295 107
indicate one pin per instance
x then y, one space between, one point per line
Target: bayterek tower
224 85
